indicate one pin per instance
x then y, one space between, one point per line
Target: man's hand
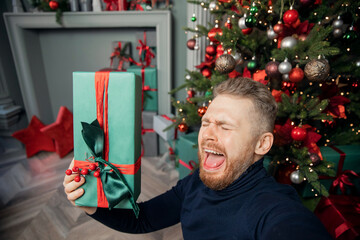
73 191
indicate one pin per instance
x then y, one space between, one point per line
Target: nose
209 132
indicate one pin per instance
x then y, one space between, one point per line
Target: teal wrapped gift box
346 157
150 86
124 130
186 152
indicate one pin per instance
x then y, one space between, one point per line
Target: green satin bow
114 184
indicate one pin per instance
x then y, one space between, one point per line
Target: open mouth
213 160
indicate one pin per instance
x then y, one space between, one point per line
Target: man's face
226 141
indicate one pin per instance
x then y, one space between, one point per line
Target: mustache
213 146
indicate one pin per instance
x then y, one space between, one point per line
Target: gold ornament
317 70
225 63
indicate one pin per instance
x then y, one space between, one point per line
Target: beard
233 170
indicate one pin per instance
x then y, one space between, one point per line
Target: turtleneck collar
246 181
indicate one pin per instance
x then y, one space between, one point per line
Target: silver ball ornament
337 33
285 67
237 57
296 177
285 77
288 42
271 34
338 23
212 5
188 77
241 23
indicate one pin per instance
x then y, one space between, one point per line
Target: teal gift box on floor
347 155
122 113
150 86
187 154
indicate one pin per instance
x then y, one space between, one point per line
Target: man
230 196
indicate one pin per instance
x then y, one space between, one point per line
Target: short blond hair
264 103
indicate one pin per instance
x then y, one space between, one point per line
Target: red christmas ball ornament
77 179
278 28
201 111
213 32
53 5
206 72
228 24
298 134
296 75
302 37
211 50
68 172
220 49
75 169
191 93
85 171
183 127
191 44
247 31
97 174
92 166
290 16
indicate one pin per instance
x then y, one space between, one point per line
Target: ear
264 143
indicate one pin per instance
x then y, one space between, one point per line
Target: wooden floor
33 204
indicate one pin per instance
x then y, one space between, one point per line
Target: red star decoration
34 140
62 132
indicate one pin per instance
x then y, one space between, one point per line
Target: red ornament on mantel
53 5
298 133
61 132
34 140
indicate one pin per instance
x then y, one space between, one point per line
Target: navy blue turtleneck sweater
254 206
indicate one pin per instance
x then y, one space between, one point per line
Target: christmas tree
306 52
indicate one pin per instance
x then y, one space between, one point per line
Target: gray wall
179 53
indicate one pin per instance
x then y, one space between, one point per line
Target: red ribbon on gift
342 180
175 133
117 53
191 166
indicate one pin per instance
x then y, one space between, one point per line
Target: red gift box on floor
340 214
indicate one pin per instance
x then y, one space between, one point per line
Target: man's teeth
213 152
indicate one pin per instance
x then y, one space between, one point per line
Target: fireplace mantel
46 53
